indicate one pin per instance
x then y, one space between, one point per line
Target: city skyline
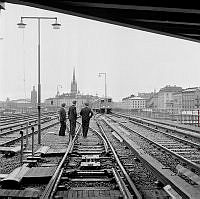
135 61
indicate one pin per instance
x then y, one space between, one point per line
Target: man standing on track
62 118
86 114
72 115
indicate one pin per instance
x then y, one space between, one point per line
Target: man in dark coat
62 118
72 115
86 114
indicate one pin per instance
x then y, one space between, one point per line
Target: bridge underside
163 17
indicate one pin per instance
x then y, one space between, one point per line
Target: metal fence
191 118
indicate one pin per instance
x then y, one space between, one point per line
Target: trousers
72 128
85 126
62 128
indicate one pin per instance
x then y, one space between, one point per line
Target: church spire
74 84
74 79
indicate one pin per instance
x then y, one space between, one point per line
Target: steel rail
174 128
149 163
51 187
21 122
20 127
192 164
104 140
170 135
133 187
122 186
12 122
29 134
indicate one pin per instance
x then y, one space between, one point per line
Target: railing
186 118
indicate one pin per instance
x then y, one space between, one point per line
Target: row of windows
135 106
138 102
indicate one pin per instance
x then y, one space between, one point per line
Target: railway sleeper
88 192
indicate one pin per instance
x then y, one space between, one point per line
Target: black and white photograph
99 99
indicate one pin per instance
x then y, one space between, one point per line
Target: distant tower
74 84
34 97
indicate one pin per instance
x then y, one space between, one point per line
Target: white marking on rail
172 192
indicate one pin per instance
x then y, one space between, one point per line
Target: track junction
122 157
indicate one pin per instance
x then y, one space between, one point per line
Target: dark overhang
158 16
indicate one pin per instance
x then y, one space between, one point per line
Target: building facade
165 97
176 102
55 102
190 99
132 102
152 102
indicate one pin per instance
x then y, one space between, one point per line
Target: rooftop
169 88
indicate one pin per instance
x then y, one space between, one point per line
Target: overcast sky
135 61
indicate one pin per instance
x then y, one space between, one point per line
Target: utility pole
197 106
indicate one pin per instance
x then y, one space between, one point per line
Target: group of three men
85 113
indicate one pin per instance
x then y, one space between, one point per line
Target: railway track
169 127
170 160
12 136
9 134
107 164
184 149
13 119
88 170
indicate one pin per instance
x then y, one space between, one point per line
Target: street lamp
55 25
58 92
105 87
105 83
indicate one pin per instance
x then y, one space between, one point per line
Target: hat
63 104
86 104
74 102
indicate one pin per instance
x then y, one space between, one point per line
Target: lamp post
55 25
105 88
105 83
58 92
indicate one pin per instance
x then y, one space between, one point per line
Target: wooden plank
55 152
90 188
14 178
49 165
26 193
90 157
5 149
89 152
42 150
40 172
30 161
90 180
33 158
39 175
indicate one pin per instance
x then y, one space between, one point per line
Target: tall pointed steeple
74 79
74 84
